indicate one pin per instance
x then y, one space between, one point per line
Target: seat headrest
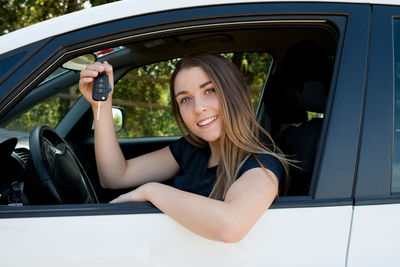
301 85
289 107
314 96
305 60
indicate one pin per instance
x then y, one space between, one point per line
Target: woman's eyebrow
201 86
180 93
205 84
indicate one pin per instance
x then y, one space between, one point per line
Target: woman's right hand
87 78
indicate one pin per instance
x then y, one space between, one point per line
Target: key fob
100 87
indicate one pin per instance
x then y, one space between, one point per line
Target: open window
288 70
287 66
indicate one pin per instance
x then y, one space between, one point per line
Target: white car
325 80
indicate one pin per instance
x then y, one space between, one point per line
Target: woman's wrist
149 189
103 105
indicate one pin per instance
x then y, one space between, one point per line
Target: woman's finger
109 71
87 80
88 73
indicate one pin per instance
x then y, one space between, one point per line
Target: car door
305 230
375 235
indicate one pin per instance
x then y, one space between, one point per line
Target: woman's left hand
137 195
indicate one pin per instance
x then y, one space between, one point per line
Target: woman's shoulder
267 161
181 148
182 144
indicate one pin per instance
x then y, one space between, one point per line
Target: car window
293 86
144 93
48 111
53 98
396 141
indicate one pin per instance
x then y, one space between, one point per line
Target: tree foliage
148 85
16 14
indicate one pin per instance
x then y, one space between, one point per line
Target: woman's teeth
207 121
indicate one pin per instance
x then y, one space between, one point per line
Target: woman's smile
207 122
198 103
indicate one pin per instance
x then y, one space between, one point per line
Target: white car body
157 240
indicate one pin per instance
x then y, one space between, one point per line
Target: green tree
147 105
16 14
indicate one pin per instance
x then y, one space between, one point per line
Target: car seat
301 87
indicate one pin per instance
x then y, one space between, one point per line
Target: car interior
292 105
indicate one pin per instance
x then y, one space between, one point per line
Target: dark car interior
293 107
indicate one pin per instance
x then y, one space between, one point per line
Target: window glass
396 141
56 103
48 112
144 93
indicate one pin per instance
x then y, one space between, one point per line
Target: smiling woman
218 95
199 106
206 90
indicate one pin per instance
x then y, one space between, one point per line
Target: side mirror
80 63
119 118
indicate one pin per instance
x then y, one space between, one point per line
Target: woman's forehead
191 79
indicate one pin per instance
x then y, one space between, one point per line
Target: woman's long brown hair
241 136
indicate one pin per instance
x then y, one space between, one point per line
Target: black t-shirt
195 177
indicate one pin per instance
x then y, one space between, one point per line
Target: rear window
396 139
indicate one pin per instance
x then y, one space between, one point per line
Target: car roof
122 9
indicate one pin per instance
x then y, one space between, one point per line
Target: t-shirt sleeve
268 161
177 149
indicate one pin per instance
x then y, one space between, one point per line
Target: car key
101 88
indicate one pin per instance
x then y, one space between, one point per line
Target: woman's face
198 103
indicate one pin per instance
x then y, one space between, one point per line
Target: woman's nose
199 105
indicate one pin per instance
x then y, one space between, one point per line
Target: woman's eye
185 100
210 91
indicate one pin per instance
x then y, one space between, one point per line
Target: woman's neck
215 154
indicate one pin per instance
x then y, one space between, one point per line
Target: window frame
374 177
331 188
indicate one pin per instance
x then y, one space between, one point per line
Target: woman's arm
229 220
114 171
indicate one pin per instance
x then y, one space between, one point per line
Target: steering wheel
60 177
